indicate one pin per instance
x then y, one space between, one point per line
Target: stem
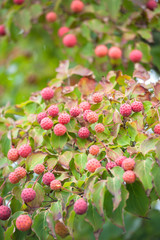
9 201
70 191
36 180
158 114
3 184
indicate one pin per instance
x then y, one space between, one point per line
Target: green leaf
35 158
5 143
148 145
113 8
156 176
123 138
8 233
40 226
98 195
36 10
65 159
40 193
58 141
80 161
56 210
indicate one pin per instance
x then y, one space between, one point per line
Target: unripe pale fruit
151 4
80 206
40 116
20 172
39 168
47 93
99 127
28 194
128 164
92 165
83 132
55 185
18 2
62 31
157 129
48 178
61 229
125 110
13 154
53 111
101 51
94 150
23 223
135 56
13 178
70 40
129 177
137 106
51 17
2 30
24 150
77 6
115 53
5 212
46 123
85 106
59 129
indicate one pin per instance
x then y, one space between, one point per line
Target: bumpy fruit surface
129 176
77 6
51 17
119 160
92 117
46 123
55 185
80 206
83 132
48 178
24 150
94 150
28 194
61 229
110 165
64 118
75 111
20 172
92 165
59 129
40 116
128 164
1 201
135 56
151 4
5 212
62 31
125 110
157 129
85 106
101 51
99 127
85 114
69 40
18 2
47 93
2 30
13 154
23 223
137 106
97 97
53 111
13 178
39 168
115 53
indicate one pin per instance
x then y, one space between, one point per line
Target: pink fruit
128 164
85 114
46 123
20 172
75 111
99 127
157 129
1 201
62 31
110 165
40 116
125 110
53 111
151 4
137 106
13 154
92 117
28 194
5 212
83 132
135 56
48 178
24 150
70 40
119 160
47 93
23 223
77 6
94 150
39 168
115 53
101 51
97 97
2 30
13 178
80 206
92 165
18 2
129 177
51 17
64 118
55 185
85 106
59 129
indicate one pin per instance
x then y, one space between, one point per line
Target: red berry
137 106
62 31
92 165
101 51
119 160
70 40
151 4
39 168
59 129
55 185
129 176
94 150
48 178
23 223
75 111
47 93
2 30
85 106
115 53
18 2
13 178
46 123
83 132
64 118
28 194
99 127
125 110
24 150
157 129
20 172
110 165
128 164
80 206
85 114
135 56
53 111
92 117
40 116
13 154
77 6
61 230
1 201
5 212
97 97
51 17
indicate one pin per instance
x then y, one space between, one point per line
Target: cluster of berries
23 151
